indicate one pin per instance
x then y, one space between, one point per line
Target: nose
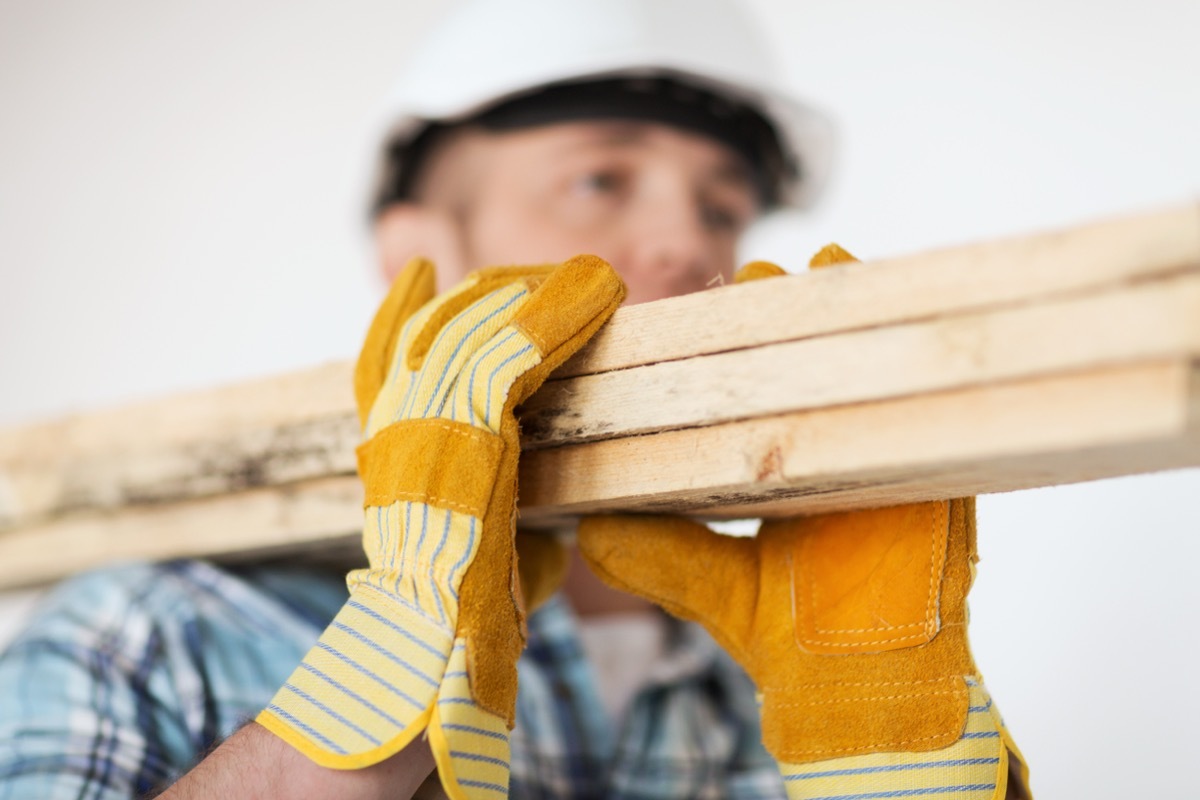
668 250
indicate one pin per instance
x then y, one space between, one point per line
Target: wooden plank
1011 271
1022 434
1122 291
259 433
999 437
301 426
55 469
324 513
1159 319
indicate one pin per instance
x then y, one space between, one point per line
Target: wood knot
771 465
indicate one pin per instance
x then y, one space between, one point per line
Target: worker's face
666 207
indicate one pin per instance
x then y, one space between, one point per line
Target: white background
178 208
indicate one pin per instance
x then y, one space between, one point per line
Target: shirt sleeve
125 677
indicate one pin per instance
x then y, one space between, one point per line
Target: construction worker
652 134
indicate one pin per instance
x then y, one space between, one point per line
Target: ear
406 230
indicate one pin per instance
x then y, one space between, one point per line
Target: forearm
254 763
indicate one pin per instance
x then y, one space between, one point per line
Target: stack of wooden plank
1040 360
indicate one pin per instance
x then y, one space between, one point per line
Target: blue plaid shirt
126 677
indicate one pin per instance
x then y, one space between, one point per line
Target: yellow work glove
431 633
853 628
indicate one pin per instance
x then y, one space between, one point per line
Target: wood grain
1016 435
934 308
1159 319
1000 437
952 280
1043 359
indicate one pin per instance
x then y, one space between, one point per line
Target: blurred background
181 206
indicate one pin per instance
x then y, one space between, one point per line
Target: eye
599 182
721 219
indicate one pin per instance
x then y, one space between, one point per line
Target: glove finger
757 270
829 255
567 307
454 303
455 343
397 397
541 566
469 744
480 389
682 566
411 289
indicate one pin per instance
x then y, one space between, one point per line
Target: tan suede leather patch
827 720
580 285
869 581
450 465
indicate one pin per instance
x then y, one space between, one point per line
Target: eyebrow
735 172
732 171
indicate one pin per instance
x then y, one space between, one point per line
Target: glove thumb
413 288
682 566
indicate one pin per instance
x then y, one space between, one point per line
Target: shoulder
152 663
189 638
128 601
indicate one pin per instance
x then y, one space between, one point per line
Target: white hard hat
487 51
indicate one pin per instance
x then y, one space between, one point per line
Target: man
588 128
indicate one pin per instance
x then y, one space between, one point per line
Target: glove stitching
913 695
863 749
928 625
868 683
905 626
429 499
908 637
462 429
940 521
532 336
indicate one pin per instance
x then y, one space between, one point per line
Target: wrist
255 763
